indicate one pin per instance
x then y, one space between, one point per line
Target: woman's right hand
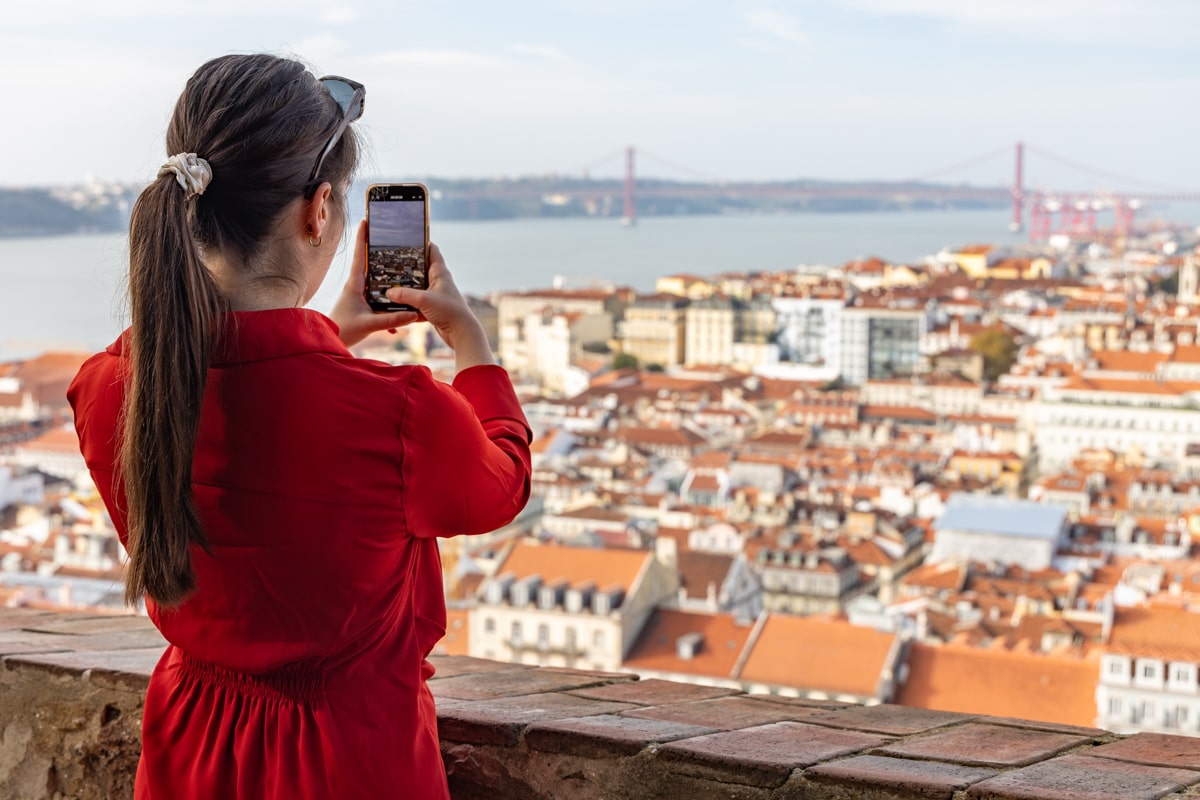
444 307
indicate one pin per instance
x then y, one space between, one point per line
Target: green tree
999 351
624 361
1170 284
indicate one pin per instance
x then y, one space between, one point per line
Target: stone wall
70 711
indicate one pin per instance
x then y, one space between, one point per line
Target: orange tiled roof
1046 688
576 565
818 654
697 571
1156 633
723 642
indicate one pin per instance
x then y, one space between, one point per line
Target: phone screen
397 241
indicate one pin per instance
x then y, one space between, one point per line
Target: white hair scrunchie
192 172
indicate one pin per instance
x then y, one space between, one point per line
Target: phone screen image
397 241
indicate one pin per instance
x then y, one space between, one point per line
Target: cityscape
970 483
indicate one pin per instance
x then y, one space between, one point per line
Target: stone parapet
71 689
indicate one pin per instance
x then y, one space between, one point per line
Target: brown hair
260 121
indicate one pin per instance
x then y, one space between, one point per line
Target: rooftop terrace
71 692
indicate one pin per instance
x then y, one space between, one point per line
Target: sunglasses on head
350 96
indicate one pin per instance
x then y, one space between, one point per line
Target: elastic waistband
287 683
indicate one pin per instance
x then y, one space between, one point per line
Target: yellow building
653 330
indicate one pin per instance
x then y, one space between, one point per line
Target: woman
278 498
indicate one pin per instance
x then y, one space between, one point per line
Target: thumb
403 294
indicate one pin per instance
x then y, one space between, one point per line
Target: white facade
810 330
1159 426
1136 694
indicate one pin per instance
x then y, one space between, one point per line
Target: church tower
1189 280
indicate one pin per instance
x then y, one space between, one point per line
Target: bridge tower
629 216
1018 189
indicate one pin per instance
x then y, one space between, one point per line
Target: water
66 292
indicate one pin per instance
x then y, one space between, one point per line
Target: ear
317 211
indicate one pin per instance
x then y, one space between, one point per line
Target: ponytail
260 122
175 308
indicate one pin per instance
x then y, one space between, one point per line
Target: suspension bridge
1042 212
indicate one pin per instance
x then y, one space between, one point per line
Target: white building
1000 530
1157 419
579 607
1148 673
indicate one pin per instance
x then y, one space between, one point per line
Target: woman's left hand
355 319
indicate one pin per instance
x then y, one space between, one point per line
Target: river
66 292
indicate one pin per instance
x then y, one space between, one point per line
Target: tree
624 361
999 351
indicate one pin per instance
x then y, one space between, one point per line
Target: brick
90 625
807 702
452 666
1053 727
726 713
605 736
980 744
888 718
1155 749
900 776
1076 777
652 692
27 641
14 641
501 721
510 683
114 666
764 755
11 618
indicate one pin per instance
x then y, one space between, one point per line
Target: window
543 635
489 625
598 638
1149 670
1114 706
516 632
1116 668
570 638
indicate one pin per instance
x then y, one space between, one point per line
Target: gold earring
317 243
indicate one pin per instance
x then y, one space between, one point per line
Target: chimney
688 645
667 552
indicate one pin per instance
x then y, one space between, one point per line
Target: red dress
298 668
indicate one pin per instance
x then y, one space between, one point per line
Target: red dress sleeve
466 462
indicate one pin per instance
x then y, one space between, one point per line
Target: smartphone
397 242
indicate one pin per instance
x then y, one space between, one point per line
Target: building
1148 673
880 338
999 530
653 330
579 607
821 659
1153 417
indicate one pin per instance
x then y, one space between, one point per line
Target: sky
703 89
397 223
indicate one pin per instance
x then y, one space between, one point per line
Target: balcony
71 691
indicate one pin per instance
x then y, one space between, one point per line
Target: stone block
653 692
888 718
725 714
510 683
763 755
1076 777
895 777
980 744
607 735
1154 749
501 721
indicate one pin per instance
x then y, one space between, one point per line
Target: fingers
409 297
357 278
